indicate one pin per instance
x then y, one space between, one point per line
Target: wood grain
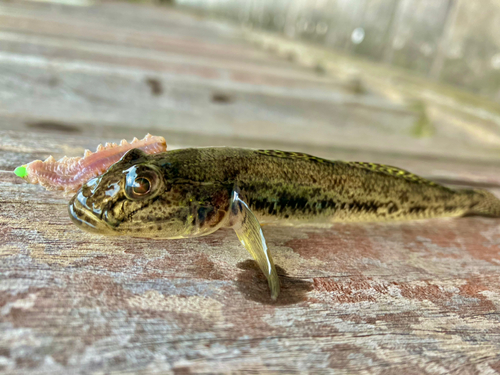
422 297
417 297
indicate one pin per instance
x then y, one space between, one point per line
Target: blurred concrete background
450 41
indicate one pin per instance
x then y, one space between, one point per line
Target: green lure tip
21 171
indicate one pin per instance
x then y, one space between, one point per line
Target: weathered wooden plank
81 69
108 96
422 297
169 36
417 297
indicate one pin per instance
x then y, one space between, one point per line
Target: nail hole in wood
221 98
155 86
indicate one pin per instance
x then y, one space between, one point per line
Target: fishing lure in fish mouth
69 174
137 198
195 191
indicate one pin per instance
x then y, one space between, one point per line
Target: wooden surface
415 298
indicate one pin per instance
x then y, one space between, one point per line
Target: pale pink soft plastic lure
69 174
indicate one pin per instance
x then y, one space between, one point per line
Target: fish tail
484 204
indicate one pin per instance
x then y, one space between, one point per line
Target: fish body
195 191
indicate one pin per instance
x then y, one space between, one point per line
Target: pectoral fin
249 232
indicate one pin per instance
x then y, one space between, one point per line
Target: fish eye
141 186
141 182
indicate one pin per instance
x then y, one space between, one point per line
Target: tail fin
485 204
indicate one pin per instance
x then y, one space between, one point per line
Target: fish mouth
85 218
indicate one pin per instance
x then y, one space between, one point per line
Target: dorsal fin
391 171
380 168
293 155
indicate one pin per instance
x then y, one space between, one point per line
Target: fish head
140 196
